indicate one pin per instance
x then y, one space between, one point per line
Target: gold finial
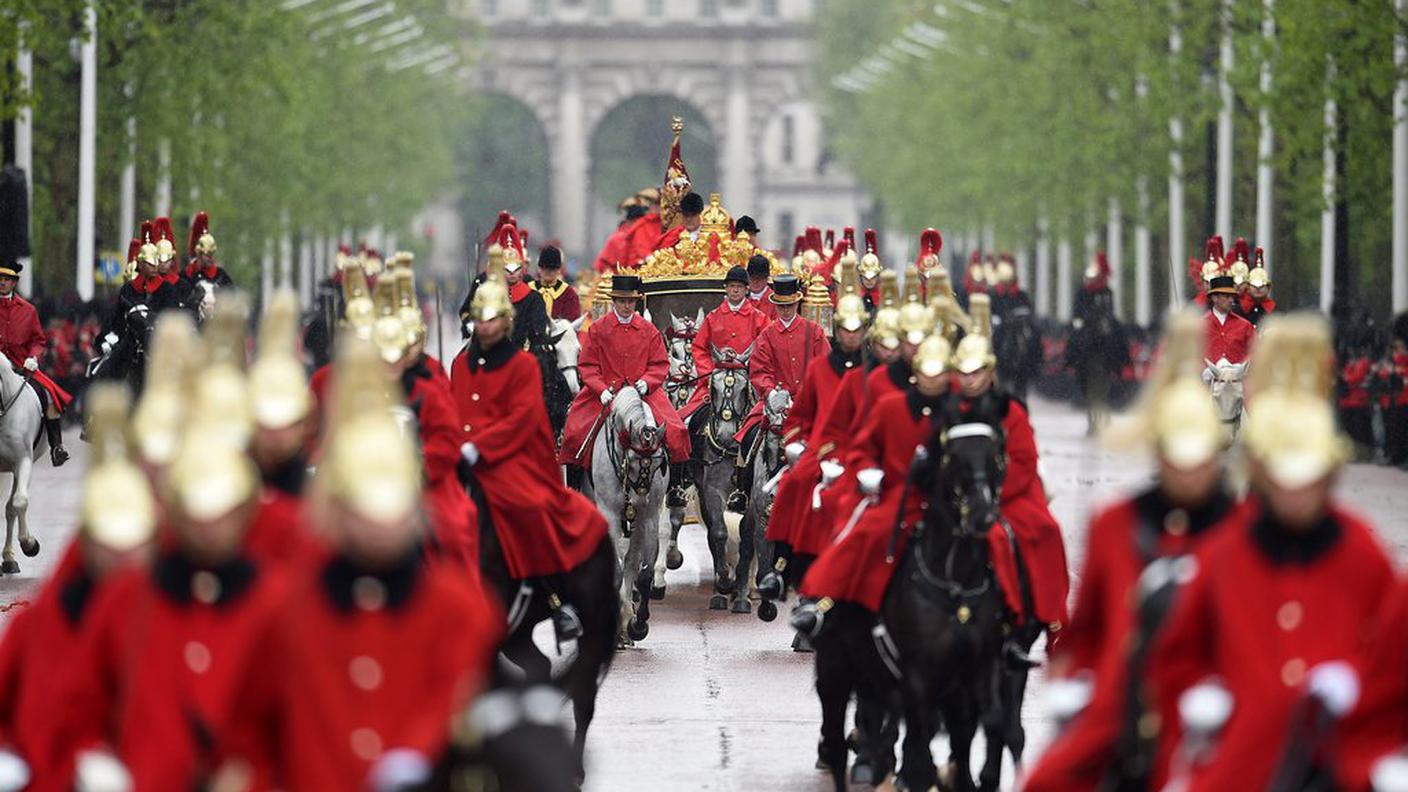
816 306
278 382
408 306
358 312
715 219
677 126
850 278
889 289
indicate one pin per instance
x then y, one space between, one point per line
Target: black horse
1017 345
125 345
591 587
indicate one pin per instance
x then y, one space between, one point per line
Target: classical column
1063 279
1043 268
305 268
1177 230
24 146
1114 250
1327 192
87 153
569 188
1400 171
1265 145
1143 264
1224 126
738 143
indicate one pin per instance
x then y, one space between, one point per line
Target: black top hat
625 286
11 269
1222 284
746 224
692 204
786 289
549 258
758 266
737 274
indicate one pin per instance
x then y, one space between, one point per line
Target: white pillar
127 201
266 272
1265 145
1024 266
1400 171
1327 194
1143 293
87 153
305 269
738 142
1063 280
1114 250
569 188
24 148
989 240
1177 231
163 178
1224 127
285 257
1043 267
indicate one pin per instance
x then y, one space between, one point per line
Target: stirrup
771 586
1016 659
58 455
566 624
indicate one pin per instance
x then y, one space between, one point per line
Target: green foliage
1029 109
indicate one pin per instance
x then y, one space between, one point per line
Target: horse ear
553 339
577 323
699 319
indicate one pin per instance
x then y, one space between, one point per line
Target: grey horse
713 456
767 464
21 442
629 467
680 385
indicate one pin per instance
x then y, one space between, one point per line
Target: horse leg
994 717
630 569
1014 691
8 565
591 581
961 716
833 690
711 511
648 530
742 580
19 501
918 768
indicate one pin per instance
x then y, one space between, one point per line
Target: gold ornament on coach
816 306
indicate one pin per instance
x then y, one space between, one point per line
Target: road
717 701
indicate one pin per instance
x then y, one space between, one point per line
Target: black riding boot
566 624
576 477
54 428
676 495
773 585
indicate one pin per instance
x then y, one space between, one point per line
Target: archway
502 162
628 150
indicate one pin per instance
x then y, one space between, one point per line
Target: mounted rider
530 311
781 357
23 341
725 342
1256 303
201 266
559 298
622 350
759 292
1229 340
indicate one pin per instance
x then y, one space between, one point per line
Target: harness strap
963 430
885 647
519 609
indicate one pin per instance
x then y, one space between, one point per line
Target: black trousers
1396 429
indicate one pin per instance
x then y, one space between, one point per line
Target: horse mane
629 409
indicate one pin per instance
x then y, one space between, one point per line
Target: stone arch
508 146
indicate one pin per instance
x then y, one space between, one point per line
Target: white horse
569 349
21 424
629 475
1225 380
679 341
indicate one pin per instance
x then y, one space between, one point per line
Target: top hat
625 286
758 266
1222 284
786 290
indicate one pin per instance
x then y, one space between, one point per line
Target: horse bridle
619 451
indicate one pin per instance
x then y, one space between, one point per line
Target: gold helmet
1175 414
870 265
491 300
278 383
911 285
369 465
850 313
371 262
916 322
1290 428
201 241
175 353
889 289
408 307
388 333
117 509
885 328
223 411
974 352
210 480
850 278
358 311
1259 277
1239 271
1004 273
933 356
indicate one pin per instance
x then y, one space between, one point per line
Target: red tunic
22 337
561 300
1356 379
723 328
762 302
616 356
820 389
811 529
1231 339
1261 613
1376 726
855 567
1097 639
454 521
641 238
781 357
157 676
615 249
344 677
277 534
544 527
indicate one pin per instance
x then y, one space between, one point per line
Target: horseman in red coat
23 341
1282 600
691 220
560 298
758 289
1256 303
643 235
622 350
544 528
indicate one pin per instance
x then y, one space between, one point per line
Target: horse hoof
716 602
657 592
723 584
674 559
742 605
29 546
863 773
637 630
767 610
10 567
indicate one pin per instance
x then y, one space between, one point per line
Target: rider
22 340
784 350
1229 337
562 301
183 293
1113 613
870 269
926 261
621 350
530 311
202 265
858 565
1283 598
725 341
1097 350
544 528
1256 303
759 291
1038 592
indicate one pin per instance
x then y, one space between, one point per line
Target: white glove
870 480
109 341
830 471
793 451
607 396
1336 684
470 452
100 771
30 364
399 768
1205 707
640 387
14 772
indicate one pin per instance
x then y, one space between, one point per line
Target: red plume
147 231
1260 258
829 266
134 249
799 246
508 239
1195 271
849 234
1102 263
344 249
162 229
199 227
504 219
1214 251
814 239
1240 250
830 239
976 257
871 243
523 241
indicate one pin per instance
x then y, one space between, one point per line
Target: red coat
278 534
157 676
1356 380
454 521
1254 310
1231 339
544 527
1097 639
561 300
615 356
780 359
855 568
641 238
1261 613
820 387
1376 726
342 679
22 337
615 250
762 302
723 328
36 665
